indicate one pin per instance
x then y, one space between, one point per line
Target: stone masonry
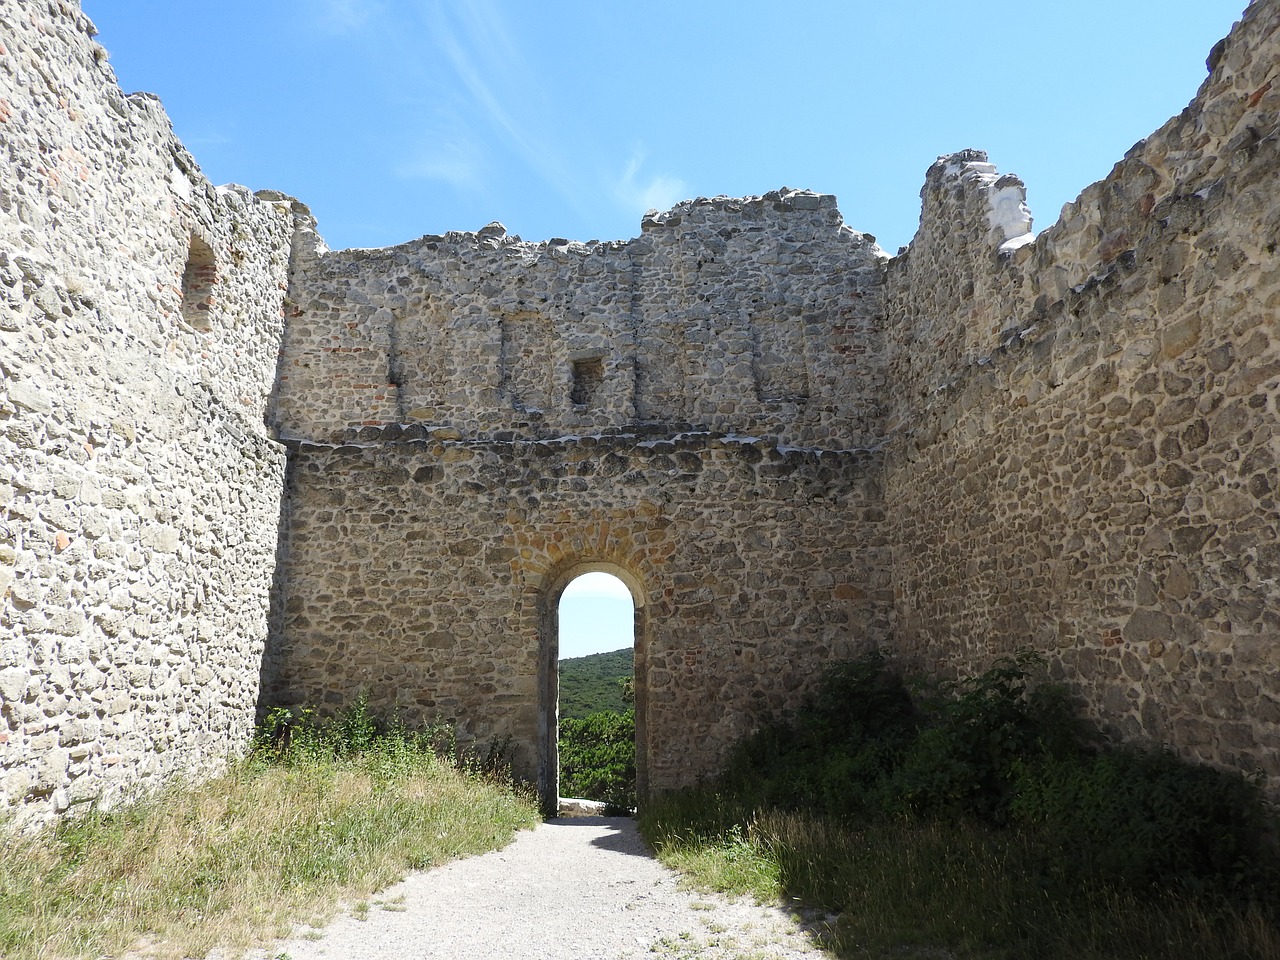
472 416
759 315
1086 449
749 565
140 496
242 470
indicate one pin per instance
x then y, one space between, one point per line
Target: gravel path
572 889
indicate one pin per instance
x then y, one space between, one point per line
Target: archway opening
596 715
199 278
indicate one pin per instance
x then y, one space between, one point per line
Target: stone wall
790 447
140 316
758 315
426 573
513 407
1086 445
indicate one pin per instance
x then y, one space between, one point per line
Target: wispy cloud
457 162
502 92
344 16
639 192
473 103
506 90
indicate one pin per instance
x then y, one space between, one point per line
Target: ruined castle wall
140 313
694 407
422 573
757 316
1088 442
790 447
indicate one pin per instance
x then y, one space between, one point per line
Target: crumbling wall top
748 314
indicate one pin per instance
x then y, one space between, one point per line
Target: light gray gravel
572 889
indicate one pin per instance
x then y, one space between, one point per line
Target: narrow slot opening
198 280
588 375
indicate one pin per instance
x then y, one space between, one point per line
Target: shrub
1000 750
835 752
1047 819
974 734
1146 817
290 737
598 758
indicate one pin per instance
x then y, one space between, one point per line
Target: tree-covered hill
593 684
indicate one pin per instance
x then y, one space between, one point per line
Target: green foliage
293 737
974 733
1146 818
595 683
834 753
598 759
321 811
983 816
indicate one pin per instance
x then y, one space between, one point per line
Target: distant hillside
591 684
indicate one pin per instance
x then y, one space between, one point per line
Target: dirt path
572 889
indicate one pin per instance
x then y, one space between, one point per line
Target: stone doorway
549 670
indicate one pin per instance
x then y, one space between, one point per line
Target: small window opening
588 374
198 280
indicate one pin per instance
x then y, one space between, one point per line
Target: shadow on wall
270 693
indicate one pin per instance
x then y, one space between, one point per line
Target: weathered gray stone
790 446
116 425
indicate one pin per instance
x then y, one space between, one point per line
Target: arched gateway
549 670
441 602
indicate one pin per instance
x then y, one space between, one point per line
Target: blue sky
395 118
596 615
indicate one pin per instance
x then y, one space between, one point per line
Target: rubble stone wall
642 401
425 573
758 315
139 493
1086 446
788 445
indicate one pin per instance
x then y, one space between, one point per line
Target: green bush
834 754
1003 750
1147 818
972 737
598 758
291 737
992 785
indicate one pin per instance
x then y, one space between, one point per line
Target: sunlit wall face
596 615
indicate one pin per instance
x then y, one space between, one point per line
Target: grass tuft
321 816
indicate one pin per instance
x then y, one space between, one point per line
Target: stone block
29 396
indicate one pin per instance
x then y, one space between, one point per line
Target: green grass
238 860
959 890
982 821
